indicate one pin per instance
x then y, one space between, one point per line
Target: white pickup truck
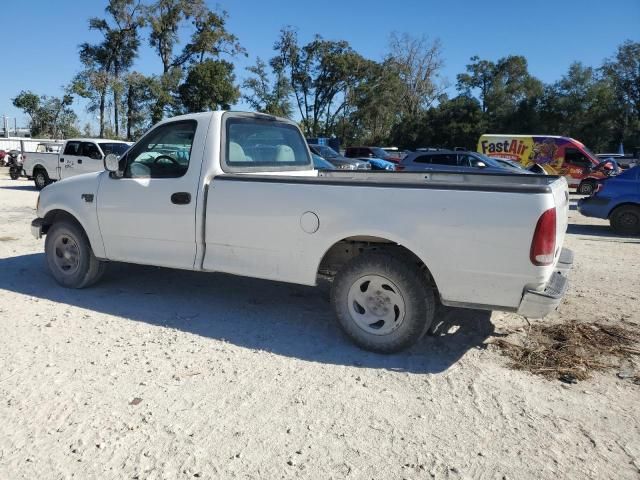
75 157
237 193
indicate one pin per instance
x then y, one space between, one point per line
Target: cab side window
90 150
422 159
72 148
445 159
163 153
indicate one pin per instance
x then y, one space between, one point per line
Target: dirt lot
156 373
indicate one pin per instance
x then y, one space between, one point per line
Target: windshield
326 152
489 161
117 148
379 152
589 153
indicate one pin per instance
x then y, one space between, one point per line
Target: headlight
347 166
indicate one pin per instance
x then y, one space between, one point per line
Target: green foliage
138 94
198 58
320 74
265 96
330 88
105 62
50 117
508 93
623 73
209 86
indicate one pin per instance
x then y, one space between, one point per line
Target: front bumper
539 303
593 206
36 227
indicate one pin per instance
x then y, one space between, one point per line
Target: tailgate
560 191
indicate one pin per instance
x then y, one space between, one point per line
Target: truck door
67 160
148 215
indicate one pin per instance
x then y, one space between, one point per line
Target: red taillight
399 167
543 245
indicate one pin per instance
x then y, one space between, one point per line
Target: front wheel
69 256
587 187
14 173
382 302
41 179
625 220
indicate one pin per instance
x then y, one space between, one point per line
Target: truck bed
473 231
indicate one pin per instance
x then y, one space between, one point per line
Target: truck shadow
30 188
289 320
598 231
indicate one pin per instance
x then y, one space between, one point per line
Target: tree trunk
129 112
116 101
103 94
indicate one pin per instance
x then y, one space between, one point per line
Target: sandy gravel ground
156 374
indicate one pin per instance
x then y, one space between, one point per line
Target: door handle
181 198
79 160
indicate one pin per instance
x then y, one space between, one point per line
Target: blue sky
40 37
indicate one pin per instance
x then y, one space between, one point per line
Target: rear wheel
587 187
40 178
14 173
69 256
382 302
625 220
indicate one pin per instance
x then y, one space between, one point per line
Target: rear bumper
36 228
539 303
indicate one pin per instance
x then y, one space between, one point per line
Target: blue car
617 199
380 164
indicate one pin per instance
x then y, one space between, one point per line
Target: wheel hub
376 304
66 254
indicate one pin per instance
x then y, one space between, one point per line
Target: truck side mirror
112 163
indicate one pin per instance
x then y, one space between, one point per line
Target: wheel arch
343 250
622 204
58 214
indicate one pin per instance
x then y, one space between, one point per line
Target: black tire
400 279
625 220
587 187
84 272
40 178
14 173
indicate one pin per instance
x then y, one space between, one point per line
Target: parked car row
377 158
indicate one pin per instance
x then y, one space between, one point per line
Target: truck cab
74 157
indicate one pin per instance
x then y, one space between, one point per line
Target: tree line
331 89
